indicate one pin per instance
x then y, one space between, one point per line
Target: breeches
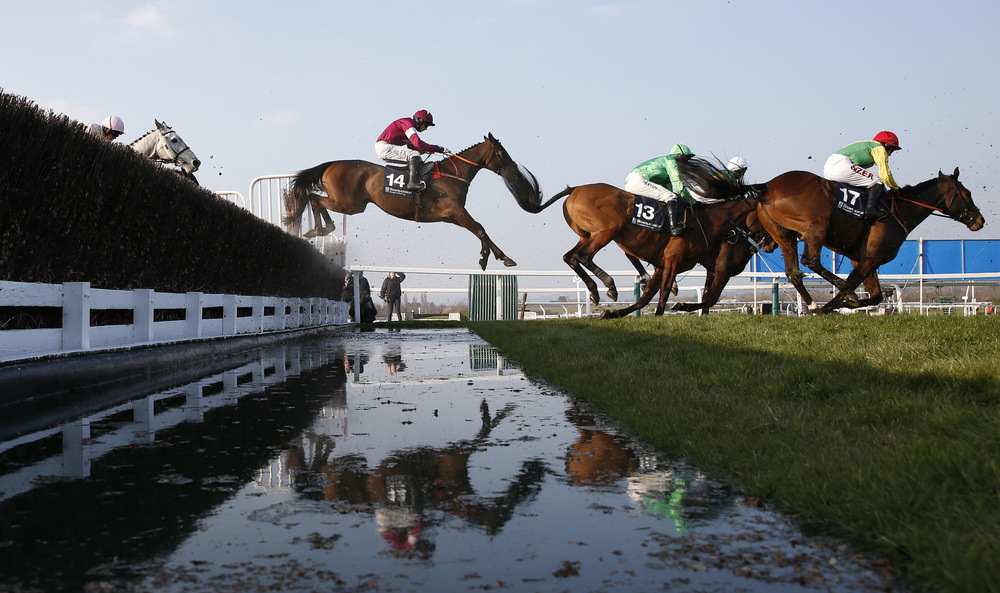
637 184
393 152
840 168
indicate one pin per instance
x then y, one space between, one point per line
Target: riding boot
675 214
414 182
872 211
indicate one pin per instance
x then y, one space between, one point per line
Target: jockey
111 128
849 164
737 166
400 142
650 179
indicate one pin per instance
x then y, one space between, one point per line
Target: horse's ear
490 137
956 173
158 124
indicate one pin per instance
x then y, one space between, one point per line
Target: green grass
883 429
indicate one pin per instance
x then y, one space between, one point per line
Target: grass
885 430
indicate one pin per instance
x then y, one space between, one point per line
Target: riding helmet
887 138
114 123
424 116
680 149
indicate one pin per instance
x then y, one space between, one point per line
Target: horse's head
520 181
958 202
171 149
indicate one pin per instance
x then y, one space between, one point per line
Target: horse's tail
712 180
523 184
301 188
535 205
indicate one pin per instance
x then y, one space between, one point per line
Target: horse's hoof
310 234
673 289
482 263
852 301
613 294
508 262
328 229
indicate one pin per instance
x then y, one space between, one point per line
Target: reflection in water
444 468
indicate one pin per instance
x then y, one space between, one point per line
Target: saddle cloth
648 213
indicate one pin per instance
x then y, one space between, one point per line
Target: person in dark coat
368 311
391 293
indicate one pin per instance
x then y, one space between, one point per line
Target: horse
164 145
600 213
351 185
730 259
801 204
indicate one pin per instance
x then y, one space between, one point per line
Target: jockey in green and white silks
651 178
850 165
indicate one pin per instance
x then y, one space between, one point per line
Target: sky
578 92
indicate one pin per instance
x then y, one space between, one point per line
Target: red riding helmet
887 138
424 116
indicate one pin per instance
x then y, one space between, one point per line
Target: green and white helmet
680 149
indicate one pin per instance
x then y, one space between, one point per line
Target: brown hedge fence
76 208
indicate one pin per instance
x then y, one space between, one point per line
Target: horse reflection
403 489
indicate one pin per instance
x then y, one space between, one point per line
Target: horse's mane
710 178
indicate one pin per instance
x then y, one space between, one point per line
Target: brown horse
801 204
351 185
600 213
730 259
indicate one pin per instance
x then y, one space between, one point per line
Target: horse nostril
197 163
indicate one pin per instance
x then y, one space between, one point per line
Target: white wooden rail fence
241 315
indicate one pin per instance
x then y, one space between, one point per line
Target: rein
455 176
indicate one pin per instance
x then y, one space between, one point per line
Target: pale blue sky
578 92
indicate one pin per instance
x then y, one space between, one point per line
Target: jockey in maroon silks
400 142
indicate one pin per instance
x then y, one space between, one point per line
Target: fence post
229 315
774 298
142 315
76 316
194 301
637 292
499 299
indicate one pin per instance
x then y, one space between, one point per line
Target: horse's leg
860 272
788 243
604 277
463 219
572 259
670 267
647 295
320 214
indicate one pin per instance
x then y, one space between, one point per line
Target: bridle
968 215
165 142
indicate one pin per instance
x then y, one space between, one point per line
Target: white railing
758 286
227 316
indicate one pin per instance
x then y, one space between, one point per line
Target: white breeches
637 184
393 152
840 168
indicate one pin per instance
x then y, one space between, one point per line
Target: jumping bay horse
600 213
350 186
799 204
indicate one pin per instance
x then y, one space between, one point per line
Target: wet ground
417 460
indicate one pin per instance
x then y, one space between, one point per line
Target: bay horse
728 260
800 204
351 185
163 145
600 213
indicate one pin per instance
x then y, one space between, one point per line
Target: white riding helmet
736 163
114 123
